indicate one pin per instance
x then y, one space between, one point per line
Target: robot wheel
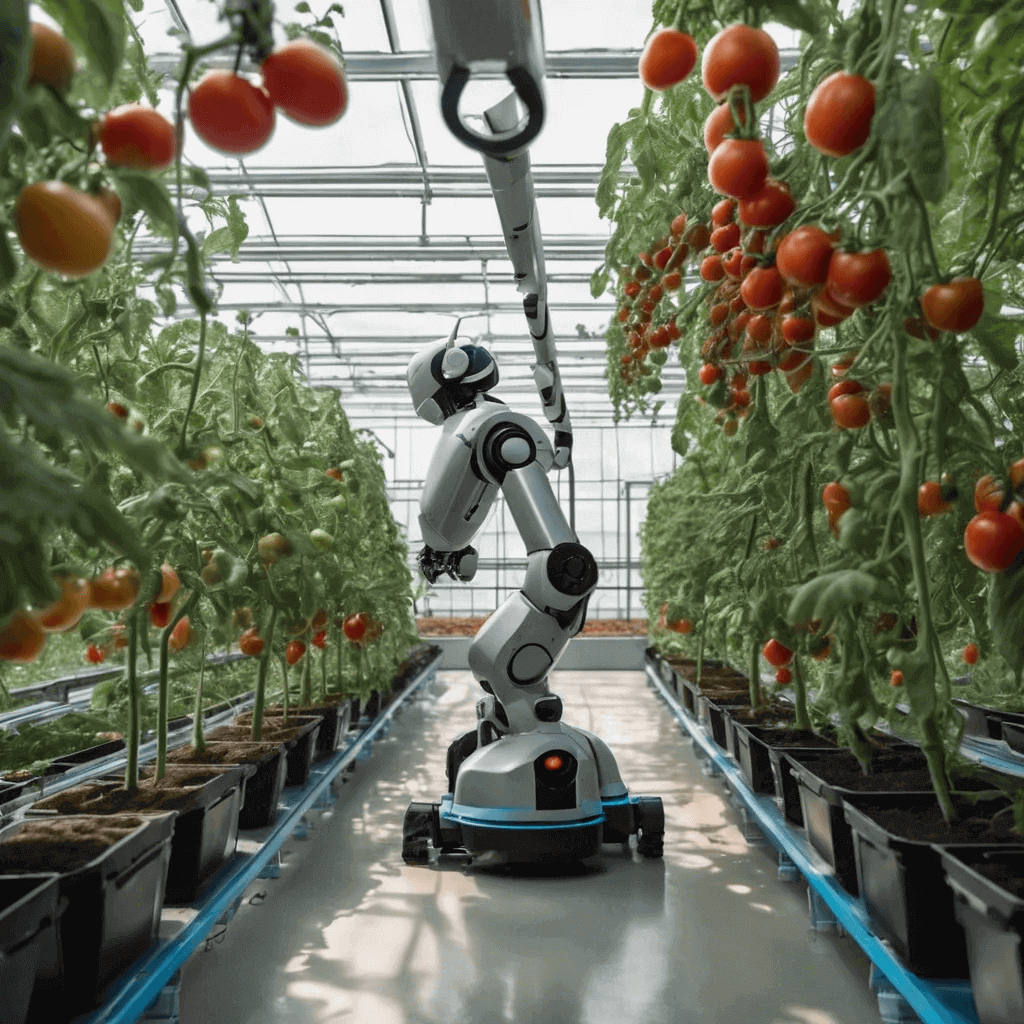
650 826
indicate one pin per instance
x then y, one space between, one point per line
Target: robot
523 786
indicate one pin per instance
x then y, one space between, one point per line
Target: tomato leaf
141 192
1006 614
15 52
996 337
97 27
790 13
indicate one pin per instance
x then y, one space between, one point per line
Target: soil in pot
299 734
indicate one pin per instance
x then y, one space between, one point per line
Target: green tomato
321 540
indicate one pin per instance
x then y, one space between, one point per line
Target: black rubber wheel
417 832
650 830
458 751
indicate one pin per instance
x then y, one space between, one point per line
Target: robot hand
459 565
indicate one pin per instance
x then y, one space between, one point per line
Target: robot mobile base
567 820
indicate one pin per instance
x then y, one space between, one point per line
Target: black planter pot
299 747
263 791
903 887
711 714
14 790
332 728
112 915
754 757
371 709
90 753
205 829
992 917
354 715
986 723
822 801
29 910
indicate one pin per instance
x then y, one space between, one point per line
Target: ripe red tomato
850 412
725 237
768 207
988 494
672 280
835 497
711 268
838 116
181 635
678 225
114 589
654 295
954 306
251 643
52 61
993 540
719 124
231 114
683 626
306 83
762 288
294 651
797 329
709 374
826 312
896 679
722 213
740 55
355 626
776 654
732 263
118 410
320 639
759 329
66 612
136 136
930 501
160 614
668 58
844 387
971 654
803 256
22 639
95 655
783 676
857 278
738 167
63 229
697 237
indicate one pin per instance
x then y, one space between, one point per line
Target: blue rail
139 987
934 1002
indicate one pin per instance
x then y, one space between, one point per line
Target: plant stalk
131 771
163 699
198 739
261 678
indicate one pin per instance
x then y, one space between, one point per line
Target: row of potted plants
86 871
949 900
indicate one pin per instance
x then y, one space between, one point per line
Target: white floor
349 933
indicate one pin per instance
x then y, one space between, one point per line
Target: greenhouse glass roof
371 236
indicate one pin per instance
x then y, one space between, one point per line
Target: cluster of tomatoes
70 231
683 626
775 289
358 628
994 538
23 638
302 79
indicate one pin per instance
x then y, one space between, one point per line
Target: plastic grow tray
29 909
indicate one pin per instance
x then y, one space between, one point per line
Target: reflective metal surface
350 934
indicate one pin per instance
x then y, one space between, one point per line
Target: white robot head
447 375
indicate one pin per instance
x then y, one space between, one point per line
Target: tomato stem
803 719
929 245
755 674
198 739
306 690
261 676
195 383
163 694
131 771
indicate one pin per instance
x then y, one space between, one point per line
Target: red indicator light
553 763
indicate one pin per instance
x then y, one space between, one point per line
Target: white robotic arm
508 34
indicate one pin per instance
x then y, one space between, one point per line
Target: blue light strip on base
935 1002
136 990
